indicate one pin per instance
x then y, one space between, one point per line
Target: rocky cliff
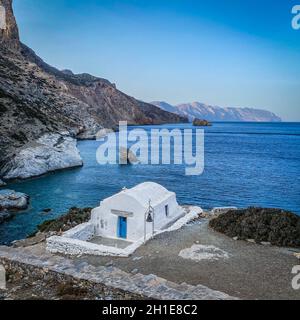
103 98
9 33
42 108
215 113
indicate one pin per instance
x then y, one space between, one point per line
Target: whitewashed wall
84 232
71 246
106 223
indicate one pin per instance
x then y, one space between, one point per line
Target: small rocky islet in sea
201 123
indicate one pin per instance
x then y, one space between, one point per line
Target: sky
231 53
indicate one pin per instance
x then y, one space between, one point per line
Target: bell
149 217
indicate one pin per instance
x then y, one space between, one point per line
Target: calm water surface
246 164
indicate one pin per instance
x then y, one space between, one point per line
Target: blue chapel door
122 227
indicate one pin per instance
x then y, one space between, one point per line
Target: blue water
246 164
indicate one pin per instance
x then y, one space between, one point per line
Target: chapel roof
148 191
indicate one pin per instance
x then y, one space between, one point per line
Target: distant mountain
165 106
215 113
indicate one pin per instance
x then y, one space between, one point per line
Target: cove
246 164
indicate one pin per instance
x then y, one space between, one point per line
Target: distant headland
215 113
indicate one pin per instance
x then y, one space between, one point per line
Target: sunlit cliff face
9 33
2 18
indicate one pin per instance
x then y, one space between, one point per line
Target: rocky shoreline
51 152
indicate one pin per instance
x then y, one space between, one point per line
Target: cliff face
9 34
37 100
215 113
103 98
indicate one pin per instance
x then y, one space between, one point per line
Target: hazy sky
222 52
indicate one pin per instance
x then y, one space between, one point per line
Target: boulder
2 183
12 200
127 156
201 123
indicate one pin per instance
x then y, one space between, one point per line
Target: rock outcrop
71 219
11 200
49 153
126 156
9 33
36 100
275 226
201 123
214 113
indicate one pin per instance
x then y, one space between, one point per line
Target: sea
245 164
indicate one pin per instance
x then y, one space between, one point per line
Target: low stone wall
17 271
74 247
